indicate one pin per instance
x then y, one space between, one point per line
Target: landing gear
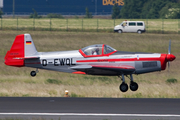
133 86
33 73
124 87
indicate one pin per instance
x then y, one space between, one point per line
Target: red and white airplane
99 59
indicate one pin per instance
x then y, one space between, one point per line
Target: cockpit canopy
97 50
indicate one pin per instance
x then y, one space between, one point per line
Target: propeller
166 58
169 56
169 52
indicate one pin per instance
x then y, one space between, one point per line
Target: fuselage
63 61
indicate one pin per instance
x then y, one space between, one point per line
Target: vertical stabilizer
30 48
22 47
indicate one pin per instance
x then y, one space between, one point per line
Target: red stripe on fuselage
121 59
162 59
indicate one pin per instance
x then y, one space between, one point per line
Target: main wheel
33 73
119 31
133 86
123 87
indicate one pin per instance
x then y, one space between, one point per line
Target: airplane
99 59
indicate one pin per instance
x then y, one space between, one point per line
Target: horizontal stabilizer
27 57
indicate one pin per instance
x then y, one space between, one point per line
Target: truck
130 26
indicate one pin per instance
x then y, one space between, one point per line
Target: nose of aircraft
170 57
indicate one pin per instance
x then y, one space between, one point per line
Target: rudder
22 47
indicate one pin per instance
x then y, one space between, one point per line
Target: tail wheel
133 86
33 73
123 87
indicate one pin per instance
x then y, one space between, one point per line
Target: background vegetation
18 82
151 9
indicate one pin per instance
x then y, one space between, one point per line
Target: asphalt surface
88 108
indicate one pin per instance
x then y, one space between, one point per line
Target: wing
104 69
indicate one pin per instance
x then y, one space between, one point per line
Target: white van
130 26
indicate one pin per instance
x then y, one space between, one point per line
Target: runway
89 108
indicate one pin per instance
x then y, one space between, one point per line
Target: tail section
30 48
22 47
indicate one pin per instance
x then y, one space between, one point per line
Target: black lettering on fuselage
62 61
67 61
55 62
72 62
59 62
44 62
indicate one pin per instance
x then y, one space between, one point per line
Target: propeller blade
169 49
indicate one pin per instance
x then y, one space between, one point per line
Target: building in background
64 7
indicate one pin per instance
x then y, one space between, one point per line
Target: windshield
93 50
124 23
108 49
121 23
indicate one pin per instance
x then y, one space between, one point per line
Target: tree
170 11
132 8
35 14
88 15
152 9
116 12
154 6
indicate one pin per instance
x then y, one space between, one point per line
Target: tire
33 73
119 31
123 87
139 31
133 86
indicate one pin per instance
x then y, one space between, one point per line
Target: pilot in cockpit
95 51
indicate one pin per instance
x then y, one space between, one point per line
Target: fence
78 24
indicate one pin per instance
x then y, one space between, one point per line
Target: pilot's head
97 49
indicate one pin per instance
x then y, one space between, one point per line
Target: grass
101 25
172 80
17 81
53 81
